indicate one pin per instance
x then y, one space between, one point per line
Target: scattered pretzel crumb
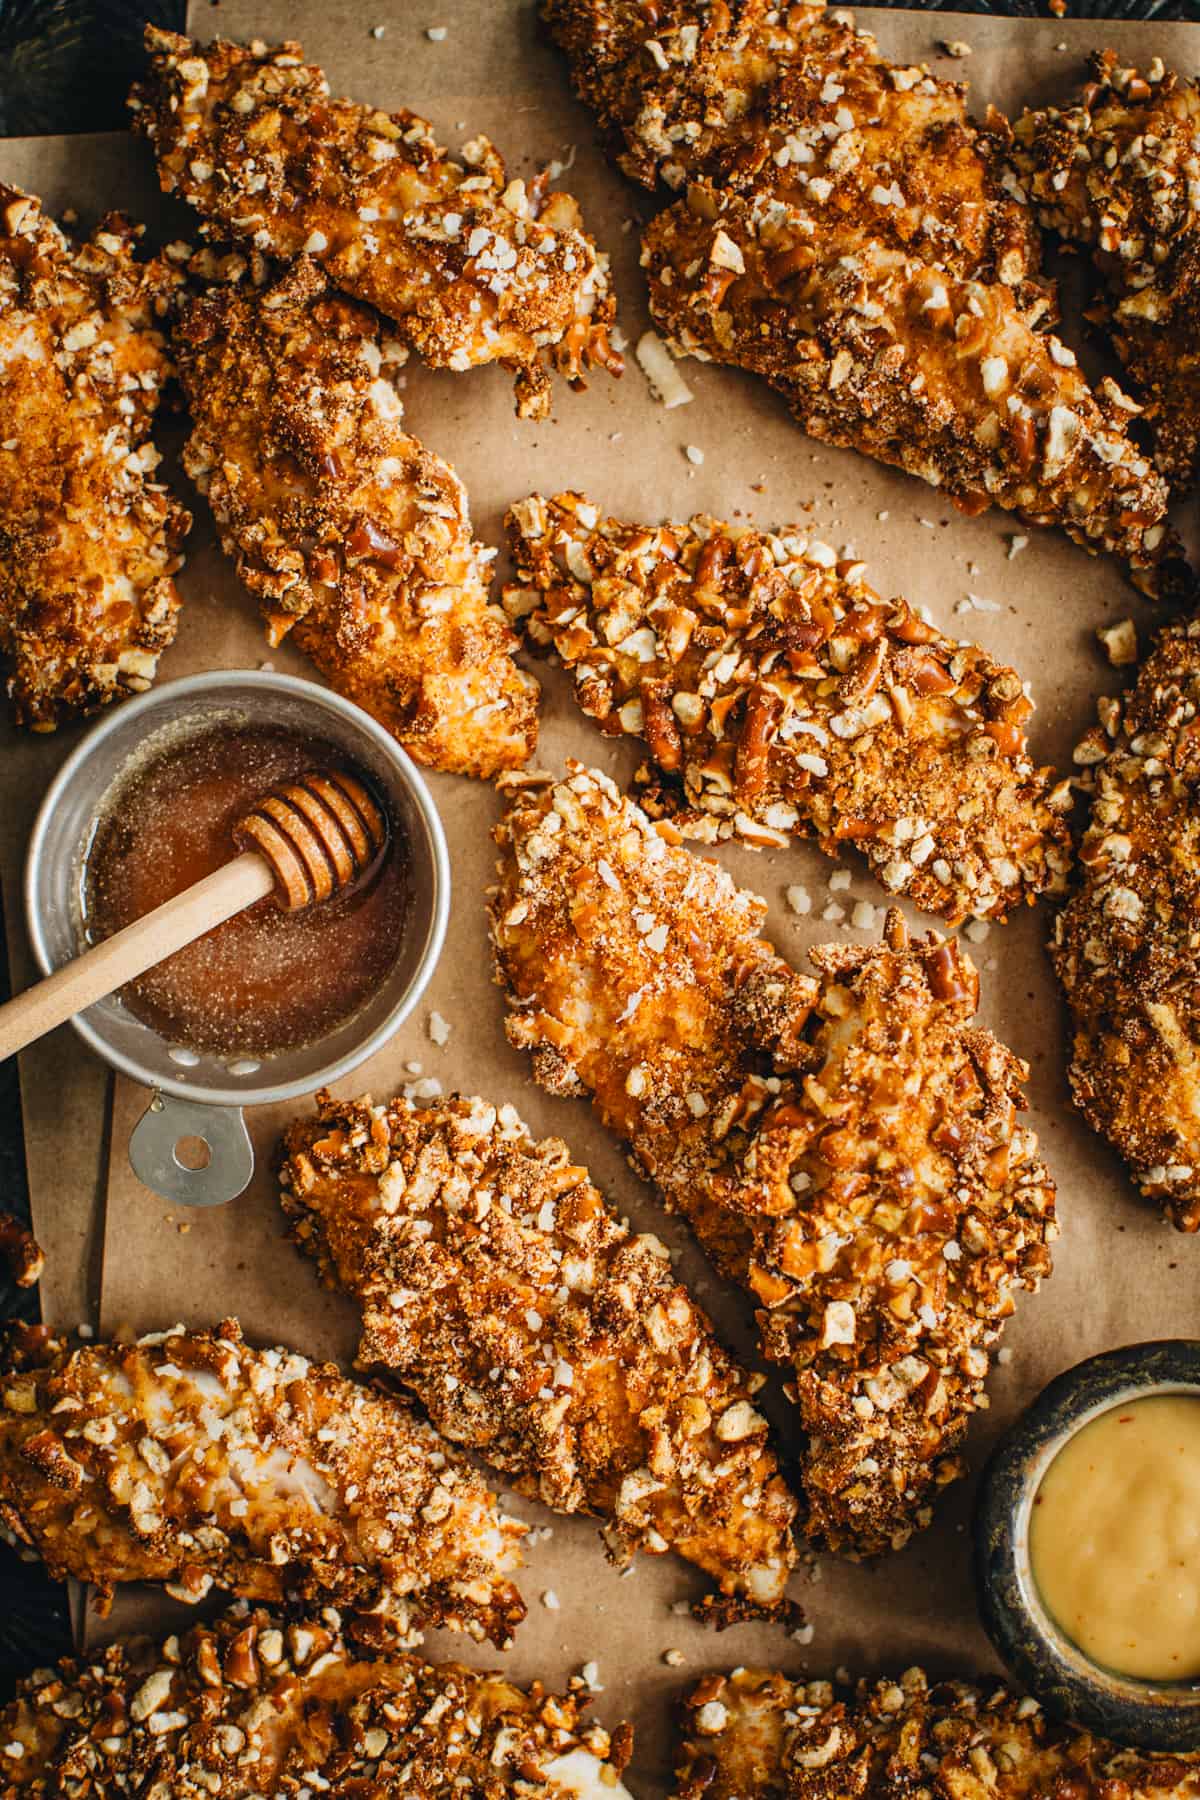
661 371
1119 642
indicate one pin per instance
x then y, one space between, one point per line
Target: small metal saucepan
198 1094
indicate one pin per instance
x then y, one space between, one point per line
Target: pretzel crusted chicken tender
941 375
255 1706
757 1734
88 540
848 233
356 539
751 95
499 1285
192 1459
473 268
779 696
844 1147
1119 173
1125 947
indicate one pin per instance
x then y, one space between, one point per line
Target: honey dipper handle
131 952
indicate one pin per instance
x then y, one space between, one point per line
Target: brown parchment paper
1121 1274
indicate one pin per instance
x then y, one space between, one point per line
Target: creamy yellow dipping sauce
1114 1538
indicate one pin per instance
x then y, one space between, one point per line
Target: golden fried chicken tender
473 268
1125 947
846 1147
536 1329
88 540
750 95
191 1459
758 1734
779 697
255 1705
356 539
852 236
878 350
1119 173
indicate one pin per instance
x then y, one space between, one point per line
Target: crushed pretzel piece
21 1251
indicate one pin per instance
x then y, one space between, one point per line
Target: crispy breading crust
255 1705
1119 172
1126 946
846 1148
748 95
473 268
883 352
21 1251
356 539
88 542
192 1459
761 1734
849 234
779 697
499 1285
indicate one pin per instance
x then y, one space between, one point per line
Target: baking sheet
1121 1274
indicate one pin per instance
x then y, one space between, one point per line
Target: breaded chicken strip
88 541
852 236
779 697
759 1735
192 1459
1125 947
356 539
500 1286
253 1705
845 1147
879 350
750 95
1119 172
473 268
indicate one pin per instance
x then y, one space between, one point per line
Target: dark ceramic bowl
1163 1716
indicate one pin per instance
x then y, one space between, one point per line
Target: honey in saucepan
1114 1538
265 980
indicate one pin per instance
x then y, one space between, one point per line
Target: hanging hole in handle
192 1152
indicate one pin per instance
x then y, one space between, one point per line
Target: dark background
66 65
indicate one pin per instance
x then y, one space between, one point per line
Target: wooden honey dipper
301 843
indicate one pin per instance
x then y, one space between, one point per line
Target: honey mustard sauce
265 980
1114 1538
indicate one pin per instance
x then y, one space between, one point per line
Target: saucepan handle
191 1154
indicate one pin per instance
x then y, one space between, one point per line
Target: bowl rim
1161 1716
212 682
